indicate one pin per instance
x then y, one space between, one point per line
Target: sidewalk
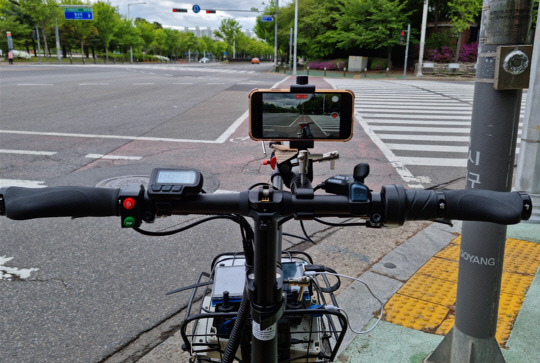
393 342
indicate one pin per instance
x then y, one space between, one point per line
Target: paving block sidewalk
418 287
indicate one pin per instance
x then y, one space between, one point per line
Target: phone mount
302 86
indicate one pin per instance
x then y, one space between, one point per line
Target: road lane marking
27 152
431 148
35 84
96 136
113 157
8 273
22 183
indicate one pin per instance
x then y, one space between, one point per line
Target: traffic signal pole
528 169
494 127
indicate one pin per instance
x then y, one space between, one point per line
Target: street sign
196 8
266 19
78 14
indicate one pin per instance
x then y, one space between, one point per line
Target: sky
161 11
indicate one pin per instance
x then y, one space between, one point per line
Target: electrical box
357 63
513 67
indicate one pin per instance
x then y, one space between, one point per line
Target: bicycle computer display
171 184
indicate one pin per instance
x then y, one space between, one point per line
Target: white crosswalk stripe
415 122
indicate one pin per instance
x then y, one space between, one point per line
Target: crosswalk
416 123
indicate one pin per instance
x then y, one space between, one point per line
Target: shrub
377 64
444 55
330 65
468 52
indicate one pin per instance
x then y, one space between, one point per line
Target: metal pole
129 18
295 34
422 39
407 50
56 34
38 43
528 169
290 48
495 120
275 35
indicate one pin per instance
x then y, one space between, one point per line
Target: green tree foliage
12 18
462 14
368 24
43 13
228 31
107 23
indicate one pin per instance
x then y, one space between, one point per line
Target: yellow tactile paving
427 301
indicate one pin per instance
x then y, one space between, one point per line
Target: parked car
21 54
204 60
255 61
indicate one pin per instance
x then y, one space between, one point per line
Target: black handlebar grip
28 203
467 204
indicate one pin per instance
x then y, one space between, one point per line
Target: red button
129 203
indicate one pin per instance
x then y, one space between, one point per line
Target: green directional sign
78 13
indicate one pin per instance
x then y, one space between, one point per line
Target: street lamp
129 18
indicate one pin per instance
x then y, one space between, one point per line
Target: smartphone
279 115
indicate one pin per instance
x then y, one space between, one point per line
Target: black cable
305 233
295 236
356 224
182 229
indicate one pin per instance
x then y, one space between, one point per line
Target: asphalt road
92 287
81 289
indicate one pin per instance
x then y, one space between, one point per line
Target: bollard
344 72
365 72
387 70
307 70
325 71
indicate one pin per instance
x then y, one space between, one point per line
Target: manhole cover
123 181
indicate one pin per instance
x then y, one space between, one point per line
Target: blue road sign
266 18
78 14
196 8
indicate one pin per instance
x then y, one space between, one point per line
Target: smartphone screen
281 115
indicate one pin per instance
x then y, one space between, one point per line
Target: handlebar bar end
394 202
2 202
527 206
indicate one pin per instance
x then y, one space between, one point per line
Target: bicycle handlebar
465 204
28 203
393 205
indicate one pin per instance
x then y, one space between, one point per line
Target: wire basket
307 332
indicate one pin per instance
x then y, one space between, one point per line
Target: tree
14 20
147 32
228 31
128 35
368 23
107 23
43 12
462 14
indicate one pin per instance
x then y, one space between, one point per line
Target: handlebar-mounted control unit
173 184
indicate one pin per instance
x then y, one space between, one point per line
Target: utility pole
407 51
295 34
422 39
502 62
528 169
129 18
275 36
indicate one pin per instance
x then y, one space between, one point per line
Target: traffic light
176 10
402 37
34 35
210 11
